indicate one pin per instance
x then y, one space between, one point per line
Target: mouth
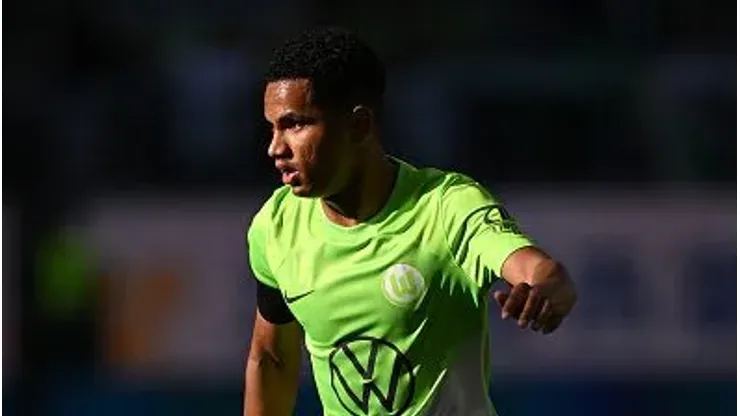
288 175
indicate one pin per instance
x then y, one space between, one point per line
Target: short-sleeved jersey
394 309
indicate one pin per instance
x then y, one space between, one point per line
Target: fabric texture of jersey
394 309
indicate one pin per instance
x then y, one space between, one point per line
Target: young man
384 268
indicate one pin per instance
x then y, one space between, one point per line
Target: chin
303 191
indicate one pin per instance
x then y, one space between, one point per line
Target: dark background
135 154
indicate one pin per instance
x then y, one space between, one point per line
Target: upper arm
480 232
275 330
278 342
273 368
274 363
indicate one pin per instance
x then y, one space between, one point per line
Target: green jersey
394 309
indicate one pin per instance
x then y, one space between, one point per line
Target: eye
294 123
298 125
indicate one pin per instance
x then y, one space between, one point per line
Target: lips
288 174
289 177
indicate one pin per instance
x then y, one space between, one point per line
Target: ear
362 123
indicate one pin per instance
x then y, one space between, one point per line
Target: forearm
271 386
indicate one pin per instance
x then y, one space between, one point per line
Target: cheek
312 154
323 154
304 146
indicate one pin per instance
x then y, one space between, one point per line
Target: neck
367 195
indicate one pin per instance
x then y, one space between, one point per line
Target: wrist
548 271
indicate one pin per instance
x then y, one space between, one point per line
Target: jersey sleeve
257 245
270 302
480 232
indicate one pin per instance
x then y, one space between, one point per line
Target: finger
552 324
531 308
500 297
544 316
515 302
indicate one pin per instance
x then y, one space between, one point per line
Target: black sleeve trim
272 306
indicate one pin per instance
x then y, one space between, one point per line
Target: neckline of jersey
371 225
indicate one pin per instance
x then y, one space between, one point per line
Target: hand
545 305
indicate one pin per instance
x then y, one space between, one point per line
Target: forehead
287 96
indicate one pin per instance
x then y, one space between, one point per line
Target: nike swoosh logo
291 299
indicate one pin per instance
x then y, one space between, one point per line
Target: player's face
311 148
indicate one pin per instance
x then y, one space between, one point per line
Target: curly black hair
342 69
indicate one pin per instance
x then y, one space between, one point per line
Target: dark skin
335 155
338 158
332 155
541 292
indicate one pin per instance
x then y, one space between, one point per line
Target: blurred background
135 156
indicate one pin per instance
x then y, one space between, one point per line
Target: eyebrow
289 115
292 115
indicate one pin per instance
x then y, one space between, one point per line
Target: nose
277 148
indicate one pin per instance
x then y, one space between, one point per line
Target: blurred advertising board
656 272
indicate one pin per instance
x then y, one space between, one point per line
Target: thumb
500 297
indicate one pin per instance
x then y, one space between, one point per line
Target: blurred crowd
121 94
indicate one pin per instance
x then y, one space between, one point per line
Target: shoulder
456 195
455 182
271 216
444 184
428 179
273 206
268 226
